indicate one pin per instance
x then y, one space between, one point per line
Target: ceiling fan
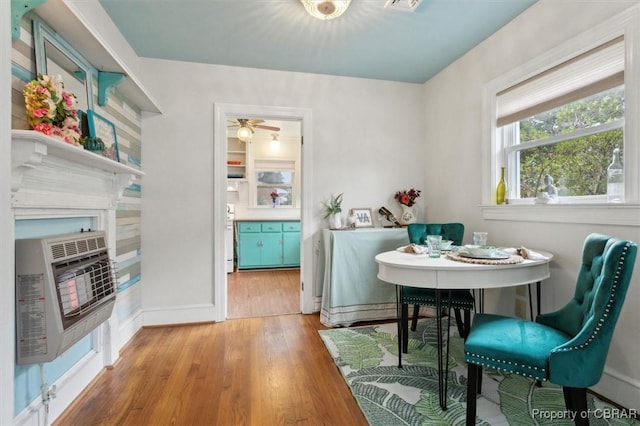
247 126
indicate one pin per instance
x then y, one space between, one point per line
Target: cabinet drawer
272 227
246 227
291 227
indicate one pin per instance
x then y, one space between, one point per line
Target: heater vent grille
64 249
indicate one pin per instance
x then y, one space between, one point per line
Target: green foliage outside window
578 165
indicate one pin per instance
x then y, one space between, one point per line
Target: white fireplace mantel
48 173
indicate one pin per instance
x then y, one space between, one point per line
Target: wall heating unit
65 288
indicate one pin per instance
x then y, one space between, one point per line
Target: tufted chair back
568 347
450 231
590 317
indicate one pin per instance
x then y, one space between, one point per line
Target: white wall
366 139
453 119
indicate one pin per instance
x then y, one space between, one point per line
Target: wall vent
403 5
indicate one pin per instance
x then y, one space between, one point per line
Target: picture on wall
104 129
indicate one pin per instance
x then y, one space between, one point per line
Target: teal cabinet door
271 249
291 248
249 250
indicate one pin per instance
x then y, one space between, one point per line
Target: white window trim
625 24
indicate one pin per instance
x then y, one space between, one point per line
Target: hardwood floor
271 370
267 370
263 293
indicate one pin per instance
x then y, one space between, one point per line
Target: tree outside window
573 144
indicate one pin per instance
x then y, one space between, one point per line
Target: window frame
626 24
287 165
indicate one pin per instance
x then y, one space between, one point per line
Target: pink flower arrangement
408 198
274 195
51 109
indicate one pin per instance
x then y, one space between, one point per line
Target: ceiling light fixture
326 9
275 143
244 134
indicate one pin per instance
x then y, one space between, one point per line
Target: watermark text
598 413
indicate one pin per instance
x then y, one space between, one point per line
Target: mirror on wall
54 56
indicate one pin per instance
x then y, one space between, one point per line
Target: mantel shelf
57 148
47 172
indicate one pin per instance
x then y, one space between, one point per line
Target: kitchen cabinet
268 244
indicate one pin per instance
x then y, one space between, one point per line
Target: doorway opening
263 205
247 191
263 293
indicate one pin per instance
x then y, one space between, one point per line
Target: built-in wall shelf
66 19
236 153
47 172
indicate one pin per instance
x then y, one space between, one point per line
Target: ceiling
368 41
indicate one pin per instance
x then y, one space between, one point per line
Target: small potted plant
332 210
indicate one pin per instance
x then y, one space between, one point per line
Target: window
274 182
557 130
561 115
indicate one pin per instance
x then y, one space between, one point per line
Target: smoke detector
403 5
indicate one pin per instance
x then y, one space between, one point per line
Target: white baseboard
619 388
179 315
129 328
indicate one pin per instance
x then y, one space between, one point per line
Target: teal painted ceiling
368 41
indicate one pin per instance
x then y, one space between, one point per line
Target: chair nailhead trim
505 368
607 308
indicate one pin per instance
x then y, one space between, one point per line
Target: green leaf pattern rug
368 359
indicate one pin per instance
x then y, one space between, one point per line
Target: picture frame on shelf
363 217
104 129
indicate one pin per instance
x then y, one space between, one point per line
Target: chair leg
405 328
575 399
414 320
467 323
459 322
472 387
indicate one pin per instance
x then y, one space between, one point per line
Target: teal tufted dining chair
567 347
461 300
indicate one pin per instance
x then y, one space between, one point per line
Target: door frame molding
223 111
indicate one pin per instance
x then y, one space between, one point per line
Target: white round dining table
444 274
420 270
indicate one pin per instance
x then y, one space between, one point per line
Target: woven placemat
510 260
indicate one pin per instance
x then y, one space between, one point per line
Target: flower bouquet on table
51 109
274 197
408 198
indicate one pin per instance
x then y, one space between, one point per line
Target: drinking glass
433 241
480 238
